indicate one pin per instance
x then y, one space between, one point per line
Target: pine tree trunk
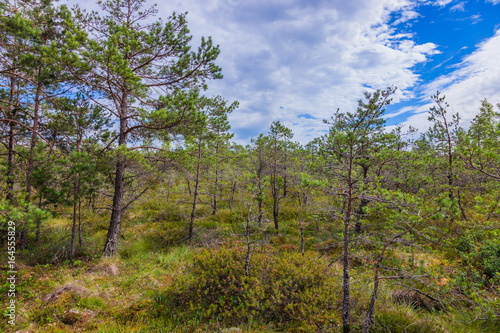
371 307
74 227
119 189
31 157
231 199
216 193
10 146
117 210
275 192
80 231
345 254
195 195
363 203
260 204
10 165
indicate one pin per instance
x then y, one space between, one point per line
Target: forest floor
160 282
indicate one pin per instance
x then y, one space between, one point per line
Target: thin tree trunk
74 219
371 308
285 180
260 203
231 199
363 203
216 192
450 175
76 200
10 147
249 245
10 165
195 195
80 229
346 252
31 157
260 193
275 193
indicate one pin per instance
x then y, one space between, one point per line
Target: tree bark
10 165
11 144
31 157
74 227
275 192
231 199
117 211
119 188
80 228
216 192
195 195
260 203
346 252
363 203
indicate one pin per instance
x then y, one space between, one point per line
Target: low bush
479 252
287 289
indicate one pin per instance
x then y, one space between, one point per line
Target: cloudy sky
297 61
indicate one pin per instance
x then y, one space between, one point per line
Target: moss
58 309
137 312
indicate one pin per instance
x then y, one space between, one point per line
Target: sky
298 61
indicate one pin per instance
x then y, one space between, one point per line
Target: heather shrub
479 253
287 289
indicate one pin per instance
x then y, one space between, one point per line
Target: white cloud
407 15
495 2
307 57
283 58
459 7
476 78
442 3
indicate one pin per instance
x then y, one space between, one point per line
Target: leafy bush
479 251
288 289
26 217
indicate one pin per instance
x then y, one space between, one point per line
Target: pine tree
351 144
133 60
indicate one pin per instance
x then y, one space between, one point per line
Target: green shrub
288 290
479 251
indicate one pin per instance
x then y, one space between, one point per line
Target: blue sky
297 61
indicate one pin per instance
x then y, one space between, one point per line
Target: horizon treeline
104 107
